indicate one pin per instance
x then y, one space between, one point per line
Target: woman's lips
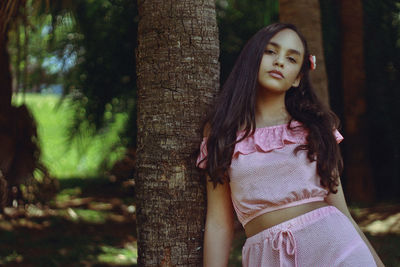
276 74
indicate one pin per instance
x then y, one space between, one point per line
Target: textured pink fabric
323 237
266 175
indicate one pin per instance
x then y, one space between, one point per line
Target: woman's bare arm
219 225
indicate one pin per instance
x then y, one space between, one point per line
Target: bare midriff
269 219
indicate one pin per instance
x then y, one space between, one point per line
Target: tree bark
358 171
178 76
306 15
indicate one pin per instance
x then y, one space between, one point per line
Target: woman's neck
271 110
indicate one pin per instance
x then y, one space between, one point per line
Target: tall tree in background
306 15
358 168
178 76
382 68
8 13
20 153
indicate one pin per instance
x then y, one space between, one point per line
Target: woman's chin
272 90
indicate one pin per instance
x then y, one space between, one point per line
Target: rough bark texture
178 76
358 171
306 15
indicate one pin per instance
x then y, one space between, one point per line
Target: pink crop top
265 174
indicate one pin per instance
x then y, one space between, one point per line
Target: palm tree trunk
358 171
178 75
306 15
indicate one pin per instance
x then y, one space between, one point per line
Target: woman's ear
296 82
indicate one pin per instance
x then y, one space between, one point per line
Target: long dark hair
235 108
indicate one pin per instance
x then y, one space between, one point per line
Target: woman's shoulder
292 125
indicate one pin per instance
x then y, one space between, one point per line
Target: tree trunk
178 76
306 15
8 12
5 76
20 152
358 171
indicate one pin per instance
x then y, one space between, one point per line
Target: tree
178 75
382 69
358 168
8 12
20 152
305 14
87 47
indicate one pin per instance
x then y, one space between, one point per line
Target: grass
83 157
90 221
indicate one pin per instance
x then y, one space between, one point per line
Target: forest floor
92 222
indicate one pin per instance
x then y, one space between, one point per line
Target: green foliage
62 160
237 22
88 47
120 256
91 216
102 82
29 60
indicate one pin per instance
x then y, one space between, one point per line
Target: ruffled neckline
269 138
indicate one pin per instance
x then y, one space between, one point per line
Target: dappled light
80 225
390 225
379 220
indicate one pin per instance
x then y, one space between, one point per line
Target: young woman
270 152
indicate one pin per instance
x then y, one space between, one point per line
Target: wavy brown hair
235 108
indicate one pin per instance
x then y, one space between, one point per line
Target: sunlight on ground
88 211
14 257
123 256
379 220
390 225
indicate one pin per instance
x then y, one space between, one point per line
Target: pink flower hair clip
313 62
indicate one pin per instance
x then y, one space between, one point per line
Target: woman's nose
278 61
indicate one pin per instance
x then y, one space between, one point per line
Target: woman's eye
292 59
269 51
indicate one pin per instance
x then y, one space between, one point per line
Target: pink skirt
322 237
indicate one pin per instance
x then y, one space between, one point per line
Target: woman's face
281 63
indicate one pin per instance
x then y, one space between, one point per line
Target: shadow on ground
90 223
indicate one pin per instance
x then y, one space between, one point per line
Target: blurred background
68 120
